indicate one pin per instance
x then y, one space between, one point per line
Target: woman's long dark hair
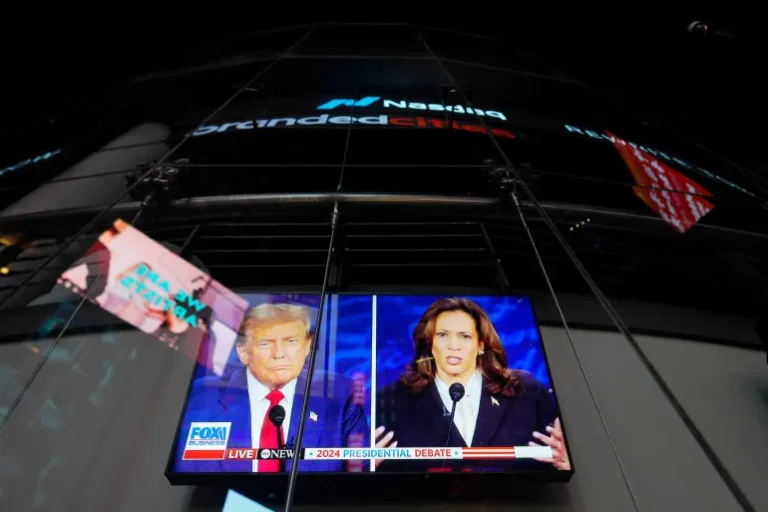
497 378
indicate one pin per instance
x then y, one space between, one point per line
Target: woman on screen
456 342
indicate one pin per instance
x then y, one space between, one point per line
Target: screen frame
362 486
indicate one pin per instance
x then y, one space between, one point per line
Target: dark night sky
707 87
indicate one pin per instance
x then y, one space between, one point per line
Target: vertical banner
674 197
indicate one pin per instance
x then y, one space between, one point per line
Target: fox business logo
208 435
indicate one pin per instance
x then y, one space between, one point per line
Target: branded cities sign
426 122
325 119
383 119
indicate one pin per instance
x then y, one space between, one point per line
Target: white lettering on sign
402 104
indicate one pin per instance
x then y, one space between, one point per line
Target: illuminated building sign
325 119
664 156
368 100
436 107
24 163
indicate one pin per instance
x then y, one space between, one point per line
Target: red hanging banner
674 197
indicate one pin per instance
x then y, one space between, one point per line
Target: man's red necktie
268 438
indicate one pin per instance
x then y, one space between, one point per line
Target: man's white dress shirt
257 397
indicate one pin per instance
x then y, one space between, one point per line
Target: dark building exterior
384 158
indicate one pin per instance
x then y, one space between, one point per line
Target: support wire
708 451
501 152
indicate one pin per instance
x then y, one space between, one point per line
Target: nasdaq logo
435 107
368 100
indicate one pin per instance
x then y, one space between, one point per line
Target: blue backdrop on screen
354 334
397 315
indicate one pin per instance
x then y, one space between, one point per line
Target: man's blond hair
271 314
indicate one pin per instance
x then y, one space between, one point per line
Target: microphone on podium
456 391
277 416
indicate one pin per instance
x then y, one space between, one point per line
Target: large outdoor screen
402 383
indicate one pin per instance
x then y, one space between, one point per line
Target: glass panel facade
337 180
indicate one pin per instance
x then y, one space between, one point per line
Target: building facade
391 158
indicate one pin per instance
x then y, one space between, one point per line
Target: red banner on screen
674 197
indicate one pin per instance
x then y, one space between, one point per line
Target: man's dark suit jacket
330 420
421 420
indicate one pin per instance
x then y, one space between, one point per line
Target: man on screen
273 346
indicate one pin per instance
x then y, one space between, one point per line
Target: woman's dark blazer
421 420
